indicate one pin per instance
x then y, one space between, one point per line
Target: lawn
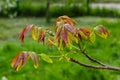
106 51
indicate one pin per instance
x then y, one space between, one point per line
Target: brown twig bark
95 67
107 67
92 59
101 65
89 57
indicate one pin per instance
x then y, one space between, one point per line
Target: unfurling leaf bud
101 31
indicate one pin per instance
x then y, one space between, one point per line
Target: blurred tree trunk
47 11
17 7
88 6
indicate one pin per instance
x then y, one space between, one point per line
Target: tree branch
54 56
107 67
92 59
102 65
89 57
95 67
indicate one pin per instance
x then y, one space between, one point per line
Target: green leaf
92 37
83 35
46 58
72 37
35 59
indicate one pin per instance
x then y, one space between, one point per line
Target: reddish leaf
62 20
58 33
42 36
19 61
70 28
79 37
86 31
67 19
24 32
63 26
65 36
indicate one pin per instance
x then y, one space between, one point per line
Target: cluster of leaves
65 35
22 57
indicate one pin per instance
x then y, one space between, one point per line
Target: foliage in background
75 10
8 8
77 1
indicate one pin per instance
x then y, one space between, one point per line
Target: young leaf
35 58
42 36
72 37
65 36
62 20
60 44
58 33
63 26
35 33
50 42
46 58
79 37
82 35
86 31
69 28
20 60
67 19
24 32
92 37
101 31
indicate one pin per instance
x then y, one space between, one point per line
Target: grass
106 51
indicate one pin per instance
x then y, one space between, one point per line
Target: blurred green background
15 15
